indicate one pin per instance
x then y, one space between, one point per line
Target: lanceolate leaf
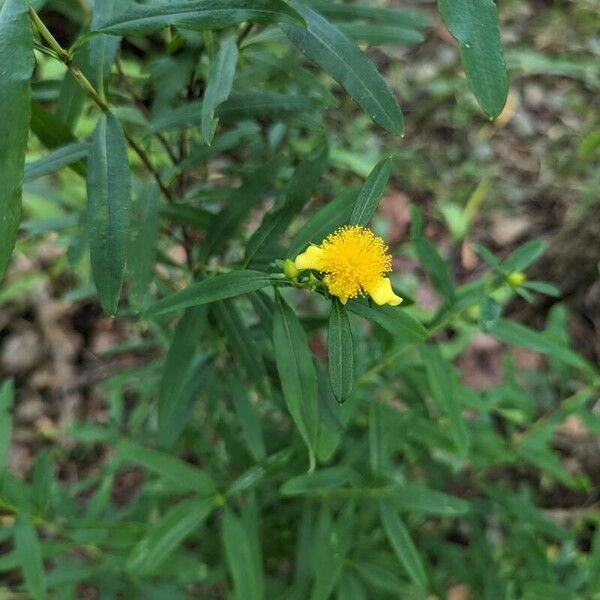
16 65
297 373
474 25
55 160
178 369
210 290
371 192
329 48
199 15
402 544
218 87
29 551
340 352
109 198
142 250
392 319
297 193
167 534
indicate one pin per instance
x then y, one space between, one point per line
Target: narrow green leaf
244 564
184 476
219 287
371 193
53 133
72 97
525 255
144 235
229 220
321 481
519 335
218 85
298 192
109 198
491 311
167 534
177 370
199 15
442 385
368 33
379 15
248 418
297 374
420 499
329 48
402 544
393 319
325 220
474 25
240 339
264 105
7 397
55 160
27 546
16 66
103 48
340 352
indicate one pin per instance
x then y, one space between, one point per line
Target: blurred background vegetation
501 502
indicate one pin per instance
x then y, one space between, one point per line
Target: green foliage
185 163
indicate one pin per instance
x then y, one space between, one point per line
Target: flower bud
516 279
290 270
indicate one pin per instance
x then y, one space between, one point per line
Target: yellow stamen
354 261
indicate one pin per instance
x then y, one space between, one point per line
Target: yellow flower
354 261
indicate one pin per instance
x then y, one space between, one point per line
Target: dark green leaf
218 85
525 255
329 48
229 220
379 15
367 33
167 534
27 546
393 319
16 66
474 25
298 192
248 418
542 287
487 256
219 287
244 564
109 198
53 133
178 370
264 105
371 193
7 396
413 498
402 544
142 248
321 481
55 160
240 339
103 48
325 220
340 352
199 15
179 473
297 373
442 385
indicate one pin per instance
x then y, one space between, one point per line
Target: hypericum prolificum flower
354 261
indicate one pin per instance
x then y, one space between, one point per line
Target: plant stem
89 89
143 108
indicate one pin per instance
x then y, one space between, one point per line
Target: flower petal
311 258
382 293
